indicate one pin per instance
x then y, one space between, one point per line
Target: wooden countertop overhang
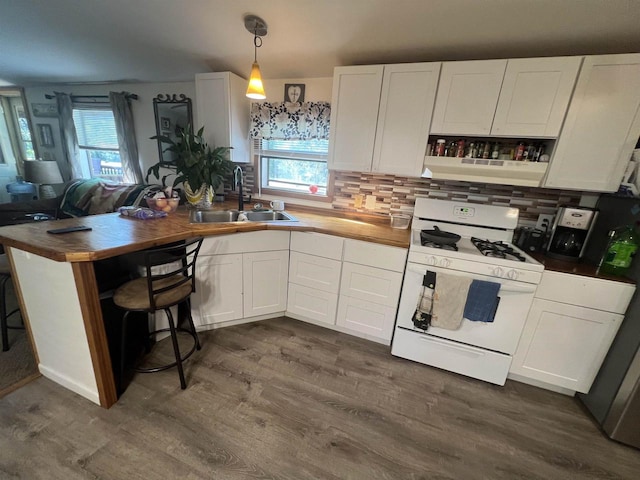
113 234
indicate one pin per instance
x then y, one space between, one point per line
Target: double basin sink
224 216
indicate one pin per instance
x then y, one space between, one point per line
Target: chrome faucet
238 181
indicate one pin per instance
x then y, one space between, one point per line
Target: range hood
504 172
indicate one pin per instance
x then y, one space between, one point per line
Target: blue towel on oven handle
482 301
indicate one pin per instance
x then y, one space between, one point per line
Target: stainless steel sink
225 216
269 216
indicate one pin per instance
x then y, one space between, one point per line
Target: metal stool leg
123 349
176 348
193 326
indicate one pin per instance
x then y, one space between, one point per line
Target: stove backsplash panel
397 194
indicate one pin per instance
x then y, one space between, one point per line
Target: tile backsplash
397 194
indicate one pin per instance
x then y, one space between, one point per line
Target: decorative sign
44 109
294 92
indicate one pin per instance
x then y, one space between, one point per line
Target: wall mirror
17 142
173 113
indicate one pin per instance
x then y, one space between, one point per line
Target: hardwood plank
87 288
281 399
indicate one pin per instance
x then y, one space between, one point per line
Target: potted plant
200 168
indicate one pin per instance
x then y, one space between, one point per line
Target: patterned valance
290 121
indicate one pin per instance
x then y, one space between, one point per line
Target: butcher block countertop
114 235
576 268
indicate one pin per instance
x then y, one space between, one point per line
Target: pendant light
258 27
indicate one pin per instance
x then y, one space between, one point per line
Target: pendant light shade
255 90
257 26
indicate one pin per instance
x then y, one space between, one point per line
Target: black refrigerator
614 397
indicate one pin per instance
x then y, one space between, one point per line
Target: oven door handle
504 288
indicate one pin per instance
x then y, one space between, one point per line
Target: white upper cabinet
381 116
404 118
601 127
534 96
467 97
354 114
222 108
524 97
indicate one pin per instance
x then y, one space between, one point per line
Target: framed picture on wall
46 135
165 123
294 92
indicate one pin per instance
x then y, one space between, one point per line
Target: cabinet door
311 303
535 95
371 284
223 110
602 126
467 97
365 317
404 118
218 295
564 345
354 115
265 282
314 272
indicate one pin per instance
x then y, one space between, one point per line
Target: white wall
316 89
142 112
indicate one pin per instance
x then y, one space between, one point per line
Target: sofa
79 198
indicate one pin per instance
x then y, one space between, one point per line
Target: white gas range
478 349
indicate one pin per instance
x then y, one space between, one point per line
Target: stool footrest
182 358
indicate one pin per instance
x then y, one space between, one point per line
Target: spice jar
460 149
440 147
520 151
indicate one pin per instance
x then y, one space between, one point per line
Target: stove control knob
498 272
512 274
445 262
432 260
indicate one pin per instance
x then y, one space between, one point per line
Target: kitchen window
295 166
290 148
98 142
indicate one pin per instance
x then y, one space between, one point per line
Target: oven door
501 335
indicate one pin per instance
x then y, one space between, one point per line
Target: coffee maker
570 232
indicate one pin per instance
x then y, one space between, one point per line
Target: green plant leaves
195 161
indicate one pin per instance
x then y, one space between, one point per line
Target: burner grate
497 249
442 246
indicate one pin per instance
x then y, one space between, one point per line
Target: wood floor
282 399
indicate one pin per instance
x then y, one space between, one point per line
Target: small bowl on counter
400 220
168 205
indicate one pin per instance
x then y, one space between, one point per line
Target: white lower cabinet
240 276
265 282
218 295
314 276
312 304
369 294
569 329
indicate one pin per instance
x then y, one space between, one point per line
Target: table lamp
43 173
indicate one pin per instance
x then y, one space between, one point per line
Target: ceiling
69 41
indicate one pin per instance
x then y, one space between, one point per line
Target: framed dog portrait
294 92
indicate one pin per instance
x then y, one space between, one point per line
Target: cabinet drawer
314 272
375 255
312 303
261 241
319 244
588 292
374 285
365 317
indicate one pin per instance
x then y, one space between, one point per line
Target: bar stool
5 276
169 281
